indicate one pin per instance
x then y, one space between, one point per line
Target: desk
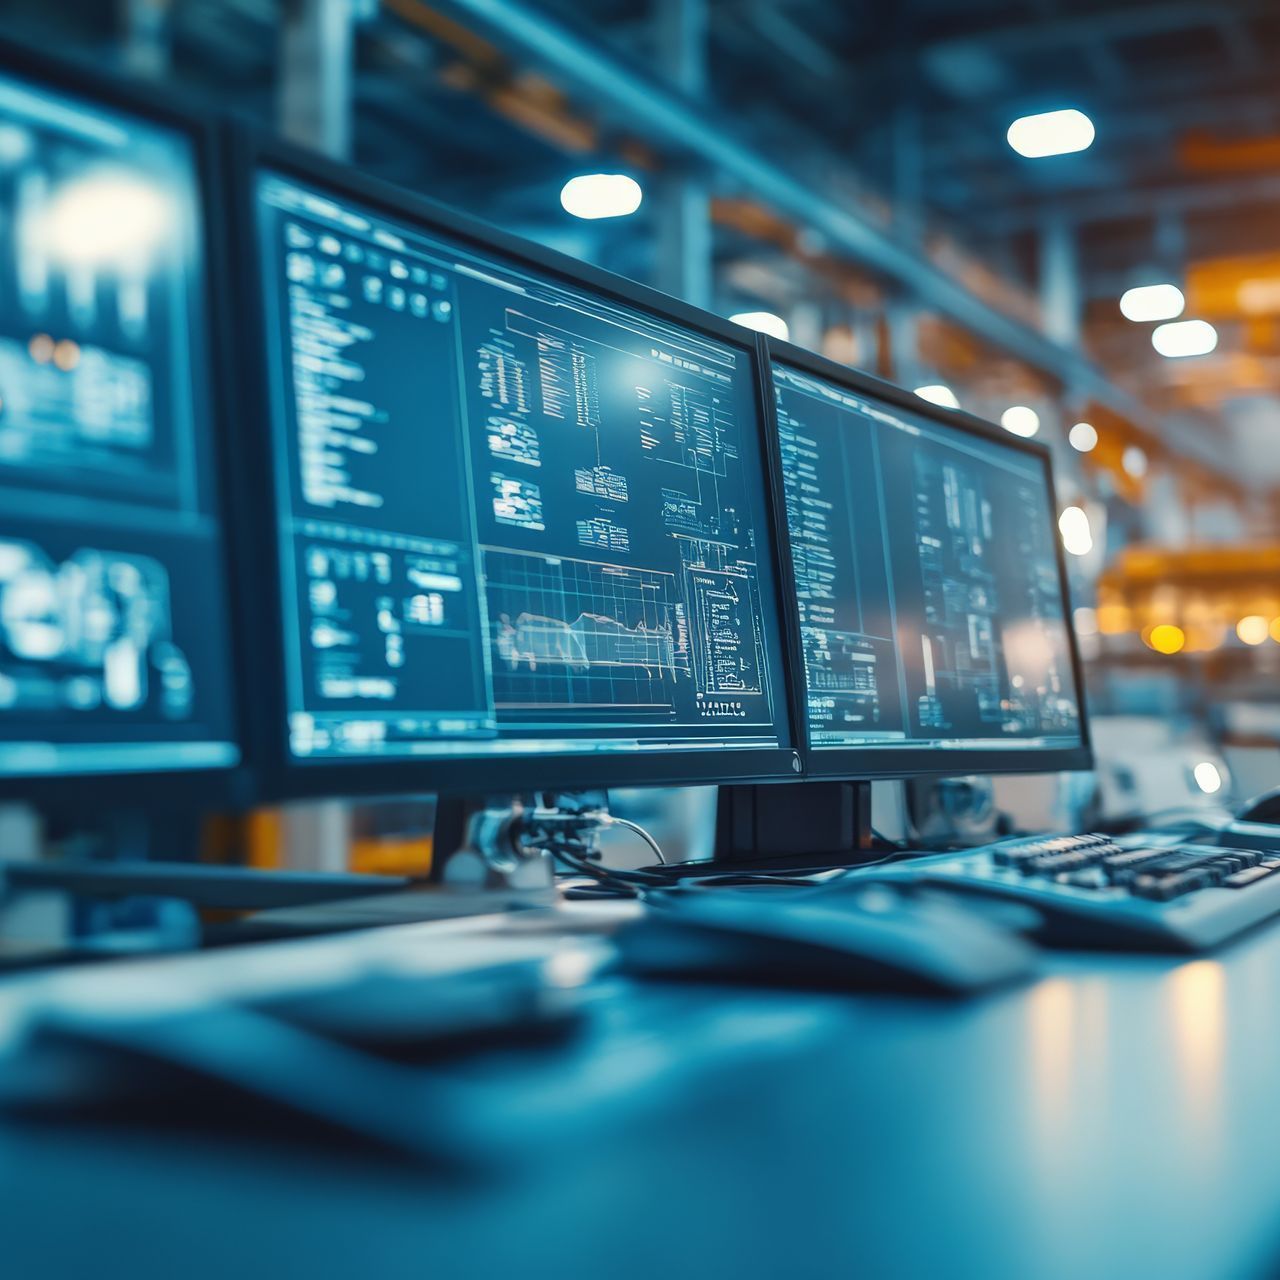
1116 1118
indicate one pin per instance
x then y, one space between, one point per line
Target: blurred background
1060 216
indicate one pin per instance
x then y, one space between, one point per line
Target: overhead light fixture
1184 338
1021 419
1083 437
1077 537
601 195
1152 302
938 393
764 322
1166 639
1253 629
1134 461
1208 777
1051 133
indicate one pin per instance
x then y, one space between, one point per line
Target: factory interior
1044 229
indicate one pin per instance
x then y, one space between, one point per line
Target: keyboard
1147 891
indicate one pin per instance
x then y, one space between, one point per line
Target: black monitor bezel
283 777
903 762
222 786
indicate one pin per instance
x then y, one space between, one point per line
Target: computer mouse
1264 809
876 937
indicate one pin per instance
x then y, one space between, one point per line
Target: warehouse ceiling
897 112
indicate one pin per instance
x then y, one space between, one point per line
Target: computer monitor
518 511
114 636
929 590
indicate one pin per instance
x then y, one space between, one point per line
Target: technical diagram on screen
927 579
514 515
114 654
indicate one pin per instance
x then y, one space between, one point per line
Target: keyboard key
1082 898
1163 888
1122 867
1089 878
1055 863
1051 846
1250 875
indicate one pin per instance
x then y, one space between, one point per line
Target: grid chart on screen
579 633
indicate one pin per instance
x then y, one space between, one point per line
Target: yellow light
1253 629
1166 638
66 355
41 348
1275 630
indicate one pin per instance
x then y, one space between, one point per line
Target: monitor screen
514 515
928 590
114 649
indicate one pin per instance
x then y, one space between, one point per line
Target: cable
610 821
814 880
619 882
567 839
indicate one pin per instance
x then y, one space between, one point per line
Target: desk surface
1116 1118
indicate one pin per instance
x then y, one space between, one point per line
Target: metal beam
1244 194
684 238
316 45
1060 278
683 125
148 36
1125 23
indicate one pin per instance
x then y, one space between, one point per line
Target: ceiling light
1184 338
1152 302
939 393
1083 437
1208 777
1134 461
1166 638
1051 133
601 195
1021 419
1253 629
763 322
1077 537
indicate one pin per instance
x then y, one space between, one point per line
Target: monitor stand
791 827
